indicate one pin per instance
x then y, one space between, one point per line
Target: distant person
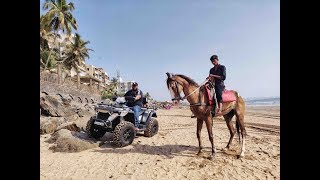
136 103
218 73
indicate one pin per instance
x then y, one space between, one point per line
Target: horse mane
189 80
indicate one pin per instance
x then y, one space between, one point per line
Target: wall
48 85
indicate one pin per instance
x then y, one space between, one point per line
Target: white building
123 86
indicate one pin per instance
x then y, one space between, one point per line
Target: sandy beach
171 154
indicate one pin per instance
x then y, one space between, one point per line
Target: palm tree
76 52
114 80
45 37
58 17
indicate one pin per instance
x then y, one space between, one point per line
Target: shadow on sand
166 151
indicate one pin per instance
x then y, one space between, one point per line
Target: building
123 87
91 75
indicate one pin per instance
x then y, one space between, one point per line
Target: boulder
49 125
52 106
68 141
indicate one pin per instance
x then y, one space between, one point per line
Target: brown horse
201 109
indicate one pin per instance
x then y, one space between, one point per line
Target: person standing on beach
136 104
218 72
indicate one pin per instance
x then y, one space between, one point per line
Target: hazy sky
144 39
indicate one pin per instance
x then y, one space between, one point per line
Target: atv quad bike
118 118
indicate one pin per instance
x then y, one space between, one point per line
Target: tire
93 132
152 128
124 134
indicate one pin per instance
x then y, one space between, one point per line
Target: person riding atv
136 104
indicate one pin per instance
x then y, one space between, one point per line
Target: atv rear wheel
152 128
93 131
123 134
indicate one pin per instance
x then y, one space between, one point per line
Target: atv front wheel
152 128
93 131
123 134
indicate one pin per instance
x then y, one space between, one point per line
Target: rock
71 126
48 125
51 106
56 112
85 110
67 141
72 118
66 102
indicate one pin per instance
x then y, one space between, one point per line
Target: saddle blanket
227 96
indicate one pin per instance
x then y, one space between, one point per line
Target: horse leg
199 127
228 118
209 122
240 120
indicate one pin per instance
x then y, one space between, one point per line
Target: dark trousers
219 89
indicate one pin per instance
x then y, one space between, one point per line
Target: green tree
75 54
58 17
45 60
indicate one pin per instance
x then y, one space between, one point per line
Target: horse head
174 87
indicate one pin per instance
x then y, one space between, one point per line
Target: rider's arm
221 76
127 93
215 76
139 95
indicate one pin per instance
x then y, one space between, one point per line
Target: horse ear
168 74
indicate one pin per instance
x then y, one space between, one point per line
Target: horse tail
237 123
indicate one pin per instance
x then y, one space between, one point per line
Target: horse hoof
240 156
199 153
211 156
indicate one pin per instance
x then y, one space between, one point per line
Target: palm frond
71 6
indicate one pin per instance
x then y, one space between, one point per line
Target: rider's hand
137 97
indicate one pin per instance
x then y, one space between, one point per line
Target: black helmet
214 57
135 84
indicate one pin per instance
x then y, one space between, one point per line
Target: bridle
179 97
185 97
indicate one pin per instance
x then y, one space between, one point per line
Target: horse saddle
227 96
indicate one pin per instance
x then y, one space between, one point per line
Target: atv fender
152 114
113 116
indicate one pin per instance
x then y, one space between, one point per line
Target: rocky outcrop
61 113
52 106
48 125
69 91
